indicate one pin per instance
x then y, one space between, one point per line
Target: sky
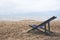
29 9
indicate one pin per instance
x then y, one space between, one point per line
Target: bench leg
30 30
45 28
49 27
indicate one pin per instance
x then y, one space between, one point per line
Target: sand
18 30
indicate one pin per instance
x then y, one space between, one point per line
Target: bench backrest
52 18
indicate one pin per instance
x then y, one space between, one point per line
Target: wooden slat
52 18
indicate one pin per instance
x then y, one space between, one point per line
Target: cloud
24 6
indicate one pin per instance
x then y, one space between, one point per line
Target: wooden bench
43 25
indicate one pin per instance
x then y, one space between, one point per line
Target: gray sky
26 9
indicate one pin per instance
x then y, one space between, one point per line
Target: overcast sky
23 9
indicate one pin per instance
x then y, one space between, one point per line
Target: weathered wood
52 18
45 28
43 24
48 26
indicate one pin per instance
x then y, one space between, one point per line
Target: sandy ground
11 30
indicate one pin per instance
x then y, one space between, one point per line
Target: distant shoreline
26 20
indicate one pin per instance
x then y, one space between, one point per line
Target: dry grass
10 30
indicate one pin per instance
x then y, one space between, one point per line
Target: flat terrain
17 30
